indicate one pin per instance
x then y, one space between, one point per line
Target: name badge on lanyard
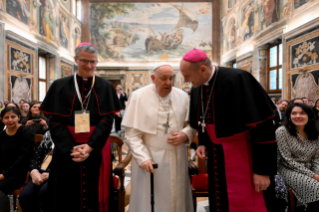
82 121
82 117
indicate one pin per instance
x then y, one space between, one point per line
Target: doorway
115 82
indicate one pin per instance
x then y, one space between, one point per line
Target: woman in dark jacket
16 149
36 120
36 190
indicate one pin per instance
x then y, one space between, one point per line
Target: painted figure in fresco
231 36
1 6
245 30
19 9
270 12
64 33
288 10
47 21
77 37
20 89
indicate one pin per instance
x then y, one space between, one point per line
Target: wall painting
20 9
247 18
140 32
64 23
47 20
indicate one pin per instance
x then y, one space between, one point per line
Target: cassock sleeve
188 130
60 135
135 143
26 151
203 138
101 132
264 148
285 154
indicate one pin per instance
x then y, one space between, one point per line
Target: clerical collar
211 76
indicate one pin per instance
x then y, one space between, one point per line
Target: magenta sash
242 196
105 169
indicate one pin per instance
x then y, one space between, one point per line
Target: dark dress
15 154
239 143
74 186
36 128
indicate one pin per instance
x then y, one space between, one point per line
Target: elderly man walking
157 131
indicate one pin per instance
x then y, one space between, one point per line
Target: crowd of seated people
296 133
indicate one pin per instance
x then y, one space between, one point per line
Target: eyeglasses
92 62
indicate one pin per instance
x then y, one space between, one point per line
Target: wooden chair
37 138
291 201
197 170
119 171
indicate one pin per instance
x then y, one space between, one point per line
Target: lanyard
79 95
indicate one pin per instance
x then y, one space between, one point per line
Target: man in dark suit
280 114
123 98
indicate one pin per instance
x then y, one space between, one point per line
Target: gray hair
86 48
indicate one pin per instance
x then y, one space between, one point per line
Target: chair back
38 138
117 140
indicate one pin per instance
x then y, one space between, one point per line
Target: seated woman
16 149
36 190
298 146
35 119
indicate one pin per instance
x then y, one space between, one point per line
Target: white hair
161 64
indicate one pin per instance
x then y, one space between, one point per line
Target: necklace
165 125
204 113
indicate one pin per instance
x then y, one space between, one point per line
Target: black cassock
240 140
76 186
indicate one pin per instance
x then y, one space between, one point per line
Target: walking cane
155 166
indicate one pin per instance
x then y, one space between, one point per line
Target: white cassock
144 118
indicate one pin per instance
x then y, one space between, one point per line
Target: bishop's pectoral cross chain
204 112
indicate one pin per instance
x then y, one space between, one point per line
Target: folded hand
81 152
177 138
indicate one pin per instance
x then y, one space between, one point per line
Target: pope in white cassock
157 131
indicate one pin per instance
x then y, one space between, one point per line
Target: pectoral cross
203 126
166 126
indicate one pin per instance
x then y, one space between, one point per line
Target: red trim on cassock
255 124
98 106
266 142
58 114
106 123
